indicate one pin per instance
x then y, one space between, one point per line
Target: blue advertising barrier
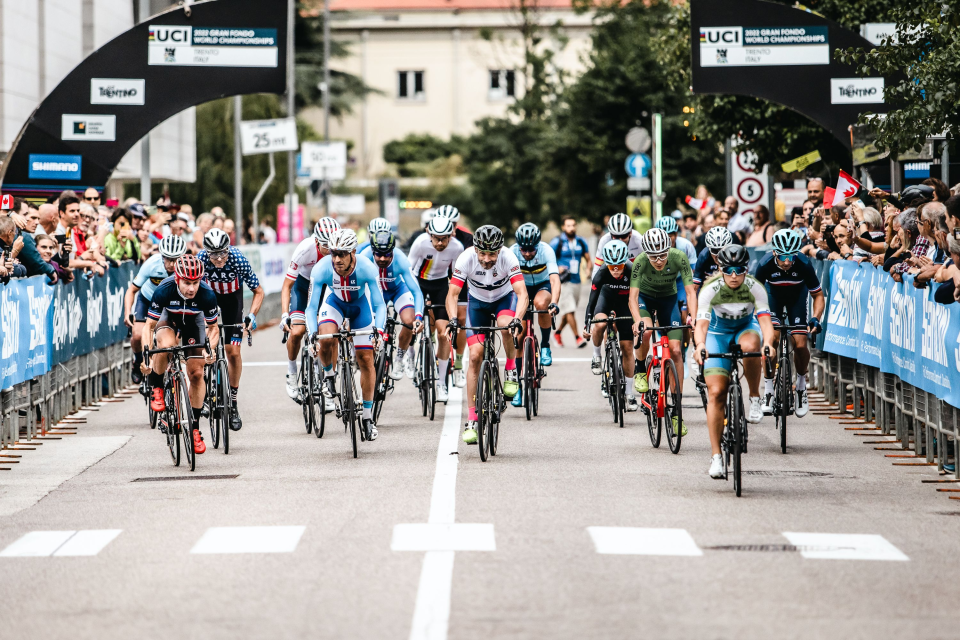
895 327
43 325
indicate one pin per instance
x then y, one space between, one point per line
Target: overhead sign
638 165
184 45
638 140
856 90
55 167
117 91
801 163
74 126
267 136
763 46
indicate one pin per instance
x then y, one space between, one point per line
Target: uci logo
721 35
169 35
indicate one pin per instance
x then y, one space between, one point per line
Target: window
410 85
502 84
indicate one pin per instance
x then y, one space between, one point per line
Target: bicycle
308 384
144 390
346 399
218 406
177 418
383 363
533 371
491 402
612 382
426 374
734 439
662 407
784 399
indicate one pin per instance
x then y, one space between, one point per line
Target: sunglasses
220 255
341 254
91 199
379 254
785 257
734 271
660 257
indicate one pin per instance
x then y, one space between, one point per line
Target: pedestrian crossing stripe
38 544
228 540
638 541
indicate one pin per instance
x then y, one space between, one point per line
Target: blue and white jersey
360 287
151 274
227 279
167 297
393 278
540 268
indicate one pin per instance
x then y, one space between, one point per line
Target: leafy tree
415 151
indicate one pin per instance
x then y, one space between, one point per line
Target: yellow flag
801 163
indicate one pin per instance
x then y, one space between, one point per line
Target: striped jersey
429 264
227 279
487 285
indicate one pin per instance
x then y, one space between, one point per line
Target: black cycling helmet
915 195
383 242
488 238
528 236
733 255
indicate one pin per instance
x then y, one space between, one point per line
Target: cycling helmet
528 235
915 195
323 229
786 242
383 242
620 225
172 247
216 241
188 268
449 212
426 217
440 226
378 224
655 241
668 224
342 240
615 252
717 238
488 238
733 255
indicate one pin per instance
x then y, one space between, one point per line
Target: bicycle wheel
673 411
381 369
349 404
784 395
213 418
226 404
529 375
608 375
185 418
735 424
484 407
303 379
535 393
702 388
173 438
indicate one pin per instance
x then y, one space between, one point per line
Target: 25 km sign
266 136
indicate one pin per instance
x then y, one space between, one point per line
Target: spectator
92 197
941 192
688 229
572 251
911 246
69 208
204 224
121 243
930 218
47 249
948 274
739 224
49 218
709 222
762 228
952 205
869 237
230 229
10 247
815 191
33 218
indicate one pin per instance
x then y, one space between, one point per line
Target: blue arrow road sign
638 165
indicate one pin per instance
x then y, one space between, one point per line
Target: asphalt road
576 529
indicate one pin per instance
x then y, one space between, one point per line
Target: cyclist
716 239
732 307
610 293
354 290
432 257
466 239
399 287
538 264
155 270
226 270
305 256
181 304
789 278
672 229
376 225
497 294
653 299
619 227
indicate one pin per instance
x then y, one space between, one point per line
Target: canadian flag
700 203
847 187
6 202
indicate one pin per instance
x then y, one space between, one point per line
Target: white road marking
272 363
61 460
88 543
637 541
219 540
845 546
37 544
443 537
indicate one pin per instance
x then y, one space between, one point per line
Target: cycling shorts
721 339
334 310
614 303
231 311
436 290
485 314
401 298
191 329
299 298
784 311
534 289
140 306
663 310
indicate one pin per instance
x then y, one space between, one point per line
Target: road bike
176 420
145 391
491 403
218 406
384 362
612 380
346 399
734 439
663 407
427 373
784 398
533 371
308 388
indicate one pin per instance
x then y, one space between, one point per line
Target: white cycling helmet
342 240
717 238
377 225
216 241
172 247
324 228
426 217
655 241
620 225
450 212
440 226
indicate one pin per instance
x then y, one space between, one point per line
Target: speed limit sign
749 191
749 188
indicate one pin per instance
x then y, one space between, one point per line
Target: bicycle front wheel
349 404
529 377
784 395
673 406
485 408
185 418
225 400
735 424
212 400
381 369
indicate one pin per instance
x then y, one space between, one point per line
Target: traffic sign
325 159
638 165
638 184
267 136
638 140
750 188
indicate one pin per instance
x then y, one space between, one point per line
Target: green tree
416 151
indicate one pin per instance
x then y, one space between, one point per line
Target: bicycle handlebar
613 319
343 334
205 346
733 355
670 328
789 327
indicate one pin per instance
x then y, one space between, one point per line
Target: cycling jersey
396 280
539 269
609 294
351 295
168 299
796 281
305 256
428 263
570 252
633 246
706 267
487 285
727 308
227 279
645 277
151 273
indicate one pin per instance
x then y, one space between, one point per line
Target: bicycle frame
659 348
488 417
348 364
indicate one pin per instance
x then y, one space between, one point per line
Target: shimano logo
936 319
903 316
9 324
873 325
38 316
